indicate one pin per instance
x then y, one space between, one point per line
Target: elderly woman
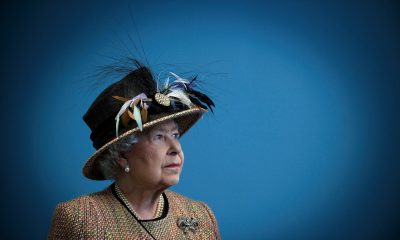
136 126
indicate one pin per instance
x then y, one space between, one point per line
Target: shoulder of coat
88 200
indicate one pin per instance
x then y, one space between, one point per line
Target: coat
103 215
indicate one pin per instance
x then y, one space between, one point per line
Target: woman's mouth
173 165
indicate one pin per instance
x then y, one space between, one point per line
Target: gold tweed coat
103 215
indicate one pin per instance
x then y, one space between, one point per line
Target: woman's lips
173 165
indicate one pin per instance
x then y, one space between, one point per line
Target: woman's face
156 160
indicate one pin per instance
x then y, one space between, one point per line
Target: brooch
162 99
187 224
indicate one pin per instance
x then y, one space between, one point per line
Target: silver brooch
162 99
187 224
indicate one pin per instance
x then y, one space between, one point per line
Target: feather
176 76
121 111
197 102
143 112
192 83
166 84
125 118
116 126
204 98
130 114
179 82
121 98
138 118
125 108
135 102
142 80
181 96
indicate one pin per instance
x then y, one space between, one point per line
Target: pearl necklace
160 205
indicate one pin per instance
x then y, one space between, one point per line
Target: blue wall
305 140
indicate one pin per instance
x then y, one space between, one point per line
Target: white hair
108 160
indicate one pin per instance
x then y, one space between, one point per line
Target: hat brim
185 120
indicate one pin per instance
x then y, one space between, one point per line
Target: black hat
137 102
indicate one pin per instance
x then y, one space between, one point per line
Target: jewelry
160 205
162 99
127 169
187 224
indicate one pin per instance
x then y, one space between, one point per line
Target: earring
127 169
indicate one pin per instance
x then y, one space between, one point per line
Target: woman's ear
122 161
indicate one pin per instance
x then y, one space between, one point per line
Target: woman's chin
171 181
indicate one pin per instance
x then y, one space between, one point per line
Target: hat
137 102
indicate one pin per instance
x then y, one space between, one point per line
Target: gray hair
108 160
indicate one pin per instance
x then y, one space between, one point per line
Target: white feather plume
179 94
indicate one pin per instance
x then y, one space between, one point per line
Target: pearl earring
127 169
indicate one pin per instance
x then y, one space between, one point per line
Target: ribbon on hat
136 115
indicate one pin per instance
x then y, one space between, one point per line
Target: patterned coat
103 215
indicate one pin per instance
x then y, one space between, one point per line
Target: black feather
204 98
191 82
197 102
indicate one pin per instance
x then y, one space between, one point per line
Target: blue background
305 140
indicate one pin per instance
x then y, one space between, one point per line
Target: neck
144 201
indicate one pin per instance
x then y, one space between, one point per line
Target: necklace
160 205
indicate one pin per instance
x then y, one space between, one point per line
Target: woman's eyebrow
164 130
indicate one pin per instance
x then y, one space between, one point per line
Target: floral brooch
187 224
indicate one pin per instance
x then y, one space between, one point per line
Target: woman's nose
174 146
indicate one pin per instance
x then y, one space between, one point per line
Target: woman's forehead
167 126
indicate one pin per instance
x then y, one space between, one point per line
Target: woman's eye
159 137
176 135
